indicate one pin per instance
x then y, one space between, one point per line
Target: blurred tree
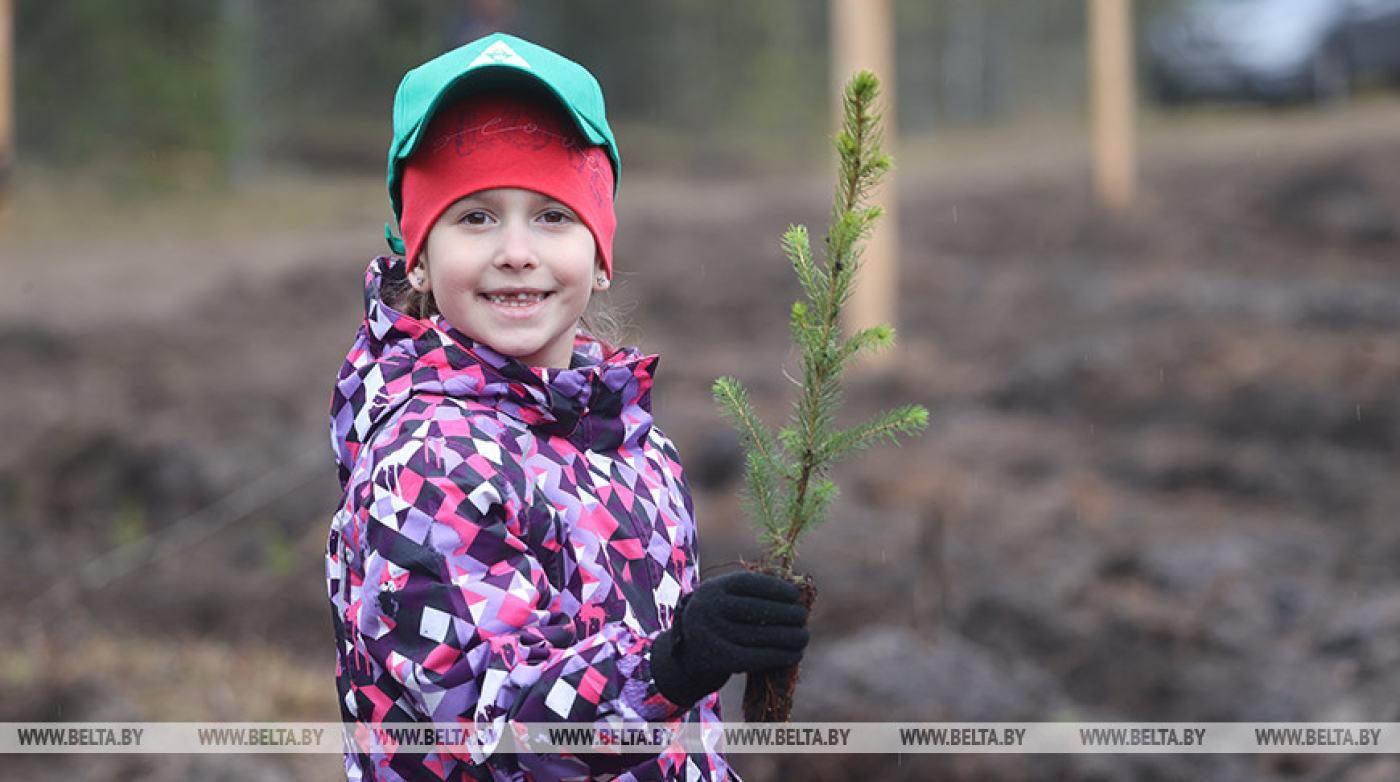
239 32
971 63
226 81
131 79
699 63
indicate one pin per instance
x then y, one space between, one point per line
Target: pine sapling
787 473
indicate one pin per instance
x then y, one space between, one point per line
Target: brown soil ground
1158 484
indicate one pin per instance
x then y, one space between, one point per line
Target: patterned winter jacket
510 543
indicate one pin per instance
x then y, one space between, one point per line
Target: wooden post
7 104
1112 104
862 33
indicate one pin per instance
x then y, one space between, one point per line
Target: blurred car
1274 50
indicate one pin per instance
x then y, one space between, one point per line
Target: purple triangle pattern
510 543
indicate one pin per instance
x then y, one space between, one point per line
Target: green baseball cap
498 60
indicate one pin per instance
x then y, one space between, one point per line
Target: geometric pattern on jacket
510 543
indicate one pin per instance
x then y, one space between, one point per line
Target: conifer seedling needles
788 491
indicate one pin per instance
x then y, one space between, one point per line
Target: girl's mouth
520 300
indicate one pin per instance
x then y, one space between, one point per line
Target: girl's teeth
515 299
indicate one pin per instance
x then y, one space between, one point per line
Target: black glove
736 623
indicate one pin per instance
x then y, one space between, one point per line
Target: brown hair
403 297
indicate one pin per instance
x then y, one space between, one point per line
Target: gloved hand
736 623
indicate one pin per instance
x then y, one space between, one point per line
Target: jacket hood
602 402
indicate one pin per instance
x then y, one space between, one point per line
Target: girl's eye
556 216
475 217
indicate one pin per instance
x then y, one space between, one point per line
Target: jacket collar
602 402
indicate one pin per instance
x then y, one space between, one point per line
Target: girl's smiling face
512 269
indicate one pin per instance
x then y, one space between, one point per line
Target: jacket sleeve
458 612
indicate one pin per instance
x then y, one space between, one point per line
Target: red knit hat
506 140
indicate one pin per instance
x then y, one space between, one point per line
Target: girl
516 541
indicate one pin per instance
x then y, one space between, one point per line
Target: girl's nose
516 250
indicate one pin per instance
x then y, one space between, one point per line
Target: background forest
225 88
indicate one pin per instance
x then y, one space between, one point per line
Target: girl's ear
601 280
417 270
